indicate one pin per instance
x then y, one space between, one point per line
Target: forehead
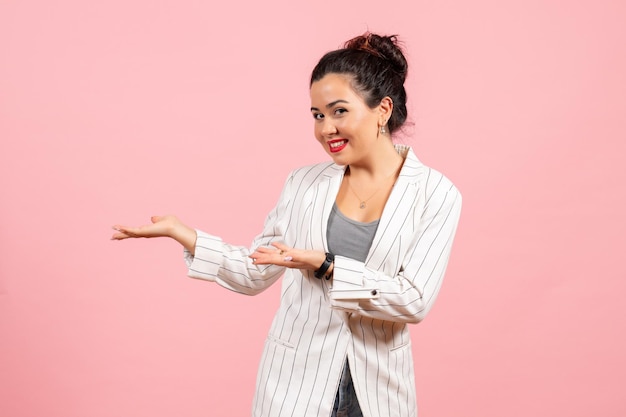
333 87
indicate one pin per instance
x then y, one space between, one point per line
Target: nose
328 128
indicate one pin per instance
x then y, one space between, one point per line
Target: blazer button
374 292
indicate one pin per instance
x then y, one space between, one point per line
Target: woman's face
345 125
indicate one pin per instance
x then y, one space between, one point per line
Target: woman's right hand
161 226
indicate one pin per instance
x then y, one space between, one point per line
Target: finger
119 236
283 249
120 232
281 246
260 255
264 250
261 261
125 232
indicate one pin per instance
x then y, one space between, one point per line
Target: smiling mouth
337 145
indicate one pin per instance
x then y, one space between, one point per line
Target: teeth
337 144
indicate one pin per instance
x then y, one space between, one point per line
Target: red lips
337 145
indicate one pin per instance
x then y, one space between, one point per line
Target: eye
318 116
340 111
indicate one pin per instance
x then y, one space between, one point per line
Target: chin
339 159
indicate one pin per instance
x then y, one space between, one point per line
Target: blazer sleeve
230 265
409 295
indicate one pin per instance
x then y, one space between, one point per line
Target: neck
383 163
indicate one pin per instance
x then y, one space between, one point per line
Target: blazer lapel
327 190
396 223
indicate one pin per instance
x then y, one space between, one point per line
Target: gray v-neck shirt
349 238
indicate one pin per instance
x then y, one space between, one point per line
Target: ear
385 108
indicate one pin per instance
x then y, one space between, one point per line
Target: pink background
114 111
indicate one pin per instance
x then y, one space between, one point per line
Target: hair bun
384 47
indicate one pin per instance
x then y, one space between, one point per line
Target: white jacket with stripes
361 313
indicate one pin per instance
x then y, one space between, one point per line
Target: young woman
362 241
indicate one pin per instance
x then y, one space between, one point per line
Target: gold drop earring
382 128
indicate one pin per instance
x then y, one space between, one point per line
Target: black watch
330 258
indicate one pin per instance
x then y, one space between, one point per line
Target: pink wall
114 111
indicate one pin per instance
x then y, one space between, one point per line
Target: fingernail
288 258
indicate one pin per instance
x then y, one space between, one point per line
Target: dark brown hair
377 69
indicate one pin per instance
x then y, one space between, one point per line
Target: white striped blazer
360 314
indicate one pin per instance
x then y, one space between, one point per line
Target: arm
234 267
250 271
208 257
409 295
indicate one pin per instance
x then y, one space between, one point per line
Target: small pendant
362 205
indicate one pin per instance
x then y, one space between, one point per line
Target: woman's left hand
283 255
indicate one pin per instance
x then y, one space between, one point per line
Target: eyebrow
331 104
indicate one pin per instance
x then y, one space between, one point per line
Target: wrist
329 273
325 268
184 235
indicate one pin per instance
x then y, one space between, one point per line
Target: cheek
364 119
317 131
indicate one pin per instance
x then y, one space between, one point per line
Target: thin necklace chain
362 203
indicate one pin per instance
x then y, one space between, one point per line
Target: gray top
352 239
349 238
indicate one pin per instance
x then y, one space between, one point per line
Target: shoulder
302 180
431 181
311 174
436 182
